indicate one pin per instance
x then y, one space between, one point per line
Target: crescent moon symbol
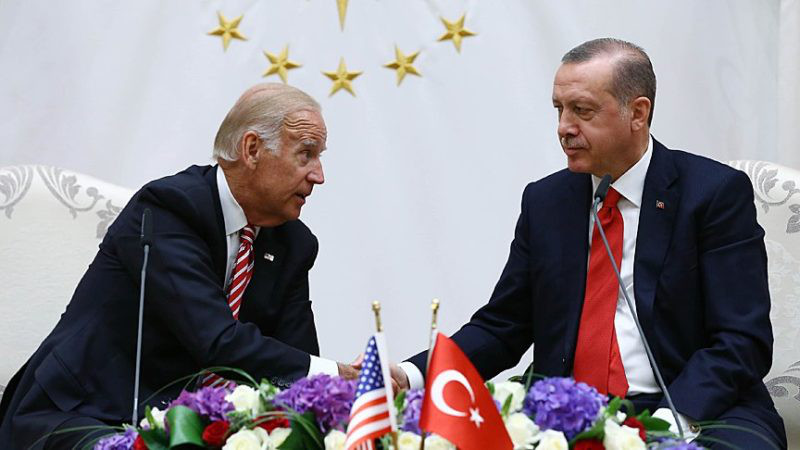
437 391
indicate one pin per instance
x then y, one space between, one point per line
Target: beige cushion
777 198
51 222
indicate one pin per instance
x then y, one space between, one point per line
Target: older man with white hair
227 283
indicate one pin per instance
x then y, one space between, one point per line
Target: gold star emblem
228 29
341 5
455 31
280 64
342 78
402 64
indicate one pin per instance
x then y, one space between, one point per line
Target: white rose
158 418
621 437
245 398
263 436
436 442
407 440
335 440
279 435
522 430
552 440
505 389
244 439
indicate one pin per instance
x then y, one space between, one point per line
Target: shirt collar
232 213
631 184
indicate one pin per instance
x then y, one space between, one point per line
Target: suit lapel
269 256
574 224
218 245
656 218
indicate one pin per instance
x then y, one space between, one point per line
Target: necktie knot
611 198
248 233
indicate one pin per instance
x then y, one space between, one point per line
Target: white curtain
423 179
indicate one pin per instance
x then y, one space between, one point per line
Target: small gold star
455 31
402 64
228 30
280 64
341 5
342 78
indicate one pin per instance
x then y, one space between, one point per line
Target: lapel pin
269 257
660 204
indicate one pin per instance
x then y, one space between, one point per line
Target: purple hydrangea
328 398
208 402
412 411
119 441
564 405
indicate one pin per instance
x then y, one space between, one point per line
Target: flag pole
431 337
376 308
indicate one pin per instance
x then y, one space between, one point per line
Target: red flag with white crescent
457 405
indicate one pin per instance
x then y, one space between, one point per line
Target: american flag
372 415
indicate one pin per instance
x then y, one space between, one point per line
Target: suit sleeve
733 277
184 291
498 334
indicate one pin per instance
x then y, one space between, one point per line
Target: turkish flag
457 405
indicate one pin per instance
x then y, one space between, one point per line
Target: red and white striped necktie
242 269
240 277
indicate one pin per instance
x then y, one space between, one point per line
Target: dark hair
633 75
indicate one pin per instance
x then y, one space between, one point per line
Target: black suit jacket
700 282
85 367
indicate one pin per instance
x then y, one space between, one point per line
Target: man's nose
566 125
316 175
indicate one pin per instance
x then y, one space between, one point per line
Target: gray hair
261 109
633 72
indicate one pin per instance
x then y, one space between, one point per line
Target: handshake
399 378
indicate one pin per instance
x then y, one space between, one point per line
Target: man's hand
399 378
347 371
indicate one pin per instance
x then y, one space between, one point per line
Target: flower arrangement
555 413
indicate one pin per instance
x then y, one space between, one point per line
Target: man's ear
248 149
640 112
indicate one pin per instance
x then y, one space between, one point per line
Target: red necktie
240 277
597 358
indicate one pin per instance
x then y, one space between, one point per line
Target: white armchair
777 198
51 221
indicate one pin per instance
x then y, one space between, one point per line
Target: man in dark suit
227 282
683 231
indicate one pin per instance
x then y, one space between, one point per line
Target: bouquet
555 413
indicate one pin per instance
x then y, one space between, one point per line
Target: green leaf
596 432
304 435
185 426
155 438
613 406
507 405
654 424
400 403
490 387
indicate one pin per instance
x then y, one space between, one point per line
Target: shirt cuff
321 365
665 414
415 378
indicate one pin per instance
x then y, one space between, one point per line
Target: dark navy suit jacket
700 282
85 367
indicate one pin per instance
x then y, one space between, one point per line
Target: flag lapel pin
660 204
269 257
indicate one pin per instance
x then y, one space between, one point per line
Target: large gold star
402 64
342 78
228 29
455 31
280 64
341 5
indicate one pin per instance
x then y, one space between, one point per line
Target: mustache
574 142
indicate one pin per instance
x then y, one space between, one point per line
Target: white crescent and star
437 395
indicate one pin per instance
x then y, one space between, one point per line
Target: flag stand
431 337
376 308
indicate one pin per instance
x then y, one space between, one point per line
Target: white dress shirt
235 220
